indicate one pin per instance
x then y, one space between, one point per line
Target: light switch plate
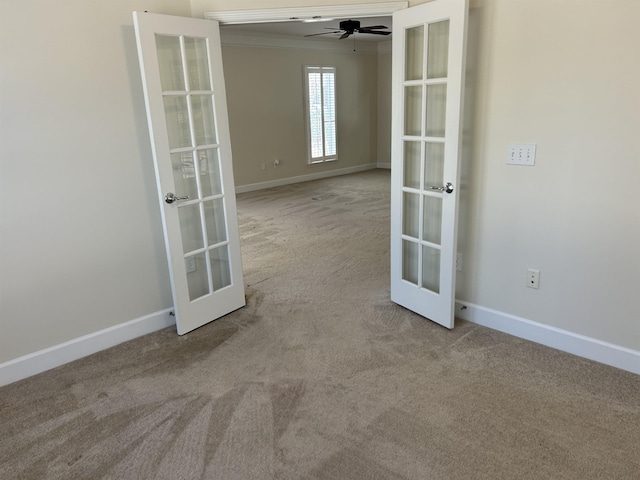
521 154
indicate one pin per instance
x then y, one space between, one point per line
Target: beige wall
563 75
81 246
266 110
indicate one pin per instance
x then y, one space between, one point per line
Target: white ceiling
298 29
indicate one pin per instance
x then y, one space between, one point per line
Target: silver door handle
171 197
448 188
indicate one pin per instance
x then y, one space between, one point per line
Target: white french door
181 65
428 78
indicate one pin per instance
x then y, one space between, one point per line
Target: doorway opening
269 158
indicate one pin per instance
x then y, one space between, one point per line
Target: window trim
307 69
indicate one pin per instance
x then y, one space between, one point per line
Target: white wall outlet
190 264
521 155
459 262
276 163
533 278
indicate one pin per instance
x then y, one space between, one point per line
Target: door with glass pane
181 65
428 60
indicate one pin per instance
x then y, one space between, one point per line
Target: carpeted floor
321 377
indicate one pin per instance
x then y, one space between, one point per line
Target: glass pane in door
410 261
414 53
184 175
190 227
216 226
198 280
431 269
177 117
432 222
411 214
436 110
413 110
170 63
438 49
197 63
412 164
433 164
203 120
220 269
210 178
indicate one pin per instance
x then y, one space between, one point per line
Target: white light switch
521 155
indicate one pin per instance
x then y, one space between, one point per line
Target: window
320 90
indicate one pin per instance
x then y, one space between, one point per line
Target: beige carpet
321 377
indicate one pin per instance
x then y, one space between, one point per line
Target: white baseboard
52 357
304 178
564 340
384 165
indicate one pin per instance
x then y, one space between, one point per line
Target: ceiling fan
349 27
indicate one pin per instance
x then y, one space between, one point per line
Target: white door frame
296 14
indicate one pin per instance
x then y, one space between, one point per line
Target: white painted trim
564 340
384 165
52 357
292 14
263 40
304 178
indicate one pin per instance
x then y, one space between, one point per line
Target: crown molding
296 14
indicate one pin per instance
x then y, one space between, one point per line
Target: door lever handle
448 188
171 197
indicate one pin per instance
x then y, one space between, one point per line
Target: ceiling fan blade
323 33
344 35
373 27
375 32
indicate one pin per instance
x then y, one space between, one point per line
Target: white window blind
321 109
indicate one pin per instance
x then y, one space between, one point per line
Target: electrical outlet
521 155
276 163
533 278
190 264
